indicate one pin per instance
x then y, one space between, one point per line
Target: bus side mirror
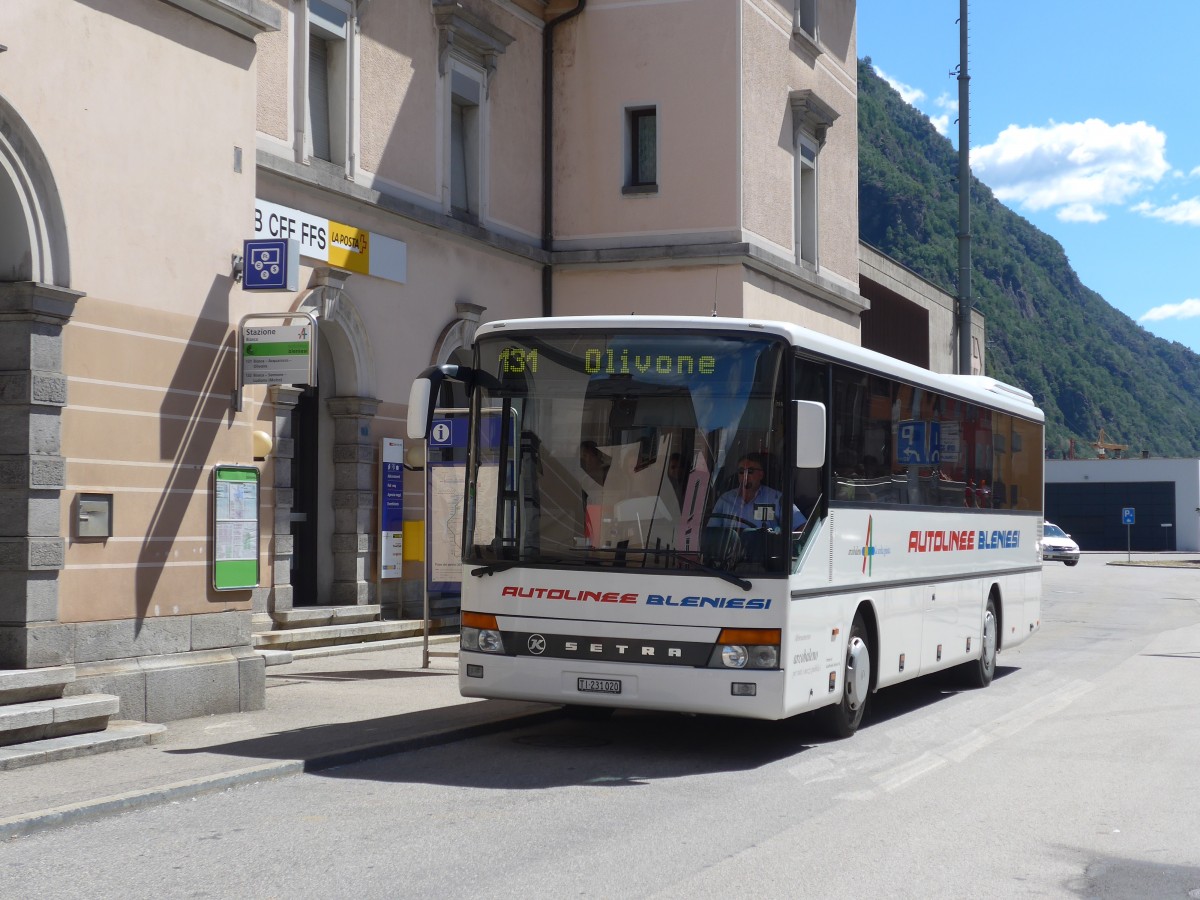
418 407
810 434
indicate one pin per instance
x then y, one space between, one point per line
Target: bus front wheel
843 718
979 672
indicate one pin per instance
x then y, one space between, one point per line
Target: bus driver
736 508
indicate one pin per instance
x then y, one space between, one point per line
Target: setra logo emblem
536 644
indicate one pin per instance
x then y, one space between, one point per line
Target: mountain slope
1087 364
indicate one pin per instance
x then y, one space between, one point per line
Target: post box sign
271 265
334 243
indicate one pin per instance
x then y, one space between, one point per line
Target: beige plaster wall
682 57
515 116
274 62
141 148
766 298
674 290
399 134
774 65
142 143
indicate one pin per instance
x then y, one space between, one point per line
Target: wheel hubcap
858 673
989 640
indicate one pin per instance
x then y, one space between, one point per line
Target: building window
327 135
805 24
466 92
469 48
811 120
641 164
806 199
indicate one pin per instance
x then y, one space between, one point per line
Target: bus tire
843 718
979 672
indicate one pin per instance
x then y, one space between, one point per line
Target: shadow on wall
194 412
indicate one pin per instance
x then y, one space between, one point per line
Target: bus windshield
630 450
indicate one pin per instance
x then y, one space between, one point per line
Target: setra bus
734 517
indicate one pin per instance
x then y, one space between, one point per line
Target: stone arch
459 333
33 233
342 327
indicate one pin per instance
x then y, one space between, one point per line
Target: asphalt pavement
326 708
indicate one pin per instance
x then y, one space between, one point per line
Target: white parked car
1057 544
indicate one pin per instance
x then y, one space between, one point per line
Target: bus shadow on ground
902 699
635 747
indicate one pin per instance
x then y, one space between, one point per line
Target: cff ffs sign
281 223
344 246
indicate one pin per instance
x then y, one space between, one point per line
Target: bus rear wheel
979 672
843 718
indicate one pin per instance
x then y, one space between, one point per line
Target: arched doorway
329 532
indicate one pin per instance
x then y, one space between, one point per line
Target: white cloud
1185 212
1188 309
1077 166
943 120
909 94
1080 212
1195 171
948 103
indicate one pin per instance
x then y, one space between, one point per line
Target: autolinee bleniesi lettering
538 593
950 541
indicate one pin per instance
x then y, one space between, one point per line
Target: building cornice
247 18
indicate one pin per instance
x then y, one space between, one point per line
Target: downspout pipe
548 151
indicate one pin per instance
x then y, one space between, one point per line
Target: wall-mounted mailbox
94 519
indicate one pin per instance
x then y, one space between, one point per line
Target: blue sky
1085 119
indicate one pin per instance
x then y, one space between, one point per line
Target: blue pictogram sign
271 265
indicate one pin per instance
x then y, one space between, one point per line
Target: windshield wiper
743 583
724 575
504 565
493 568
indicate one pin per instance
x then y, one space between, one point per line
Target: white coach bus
734 517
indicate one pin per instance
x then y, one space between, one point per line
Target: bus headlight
746 648
480 632
490 641
734 656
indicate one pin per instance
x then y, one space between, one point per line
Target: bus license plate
598 686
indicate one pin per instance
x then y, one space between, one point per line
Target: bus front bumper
749 693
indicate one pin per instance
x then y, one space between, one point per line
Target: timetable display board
235 528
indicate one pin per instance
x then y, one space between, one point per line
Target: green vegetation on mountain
1088 365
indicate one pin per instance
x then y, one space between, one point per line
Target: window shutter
318 96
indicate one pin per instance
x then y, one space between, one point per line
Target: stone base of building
178 685
161 667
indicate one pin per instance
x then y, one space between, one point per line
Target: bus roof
977 388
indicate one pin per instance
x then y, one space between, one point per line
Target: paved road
1074 775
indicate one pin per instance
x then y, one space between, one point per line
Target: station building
439 163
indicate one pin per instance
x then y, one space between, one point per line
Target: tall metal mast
965 300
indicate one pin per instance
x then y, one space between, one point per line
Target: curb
57 817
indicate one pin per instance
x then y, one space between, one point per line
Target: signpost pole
425 574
